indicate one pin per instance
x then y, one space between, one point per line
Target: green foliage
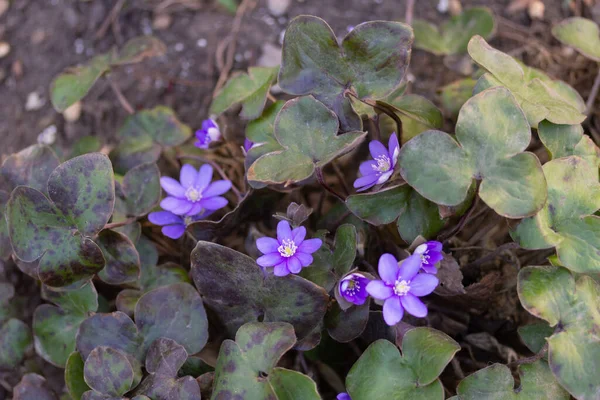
568 140
582 34
74 380
553 294
247 365
453 36
454 95
108 371
15 338
566 221
538 98
383 373
491 136
33 387
250 90
370 62
122 259
306 131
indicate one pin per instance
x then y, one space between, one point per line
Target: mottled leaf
74 381
132 152
84 145
165 357
31 167
346 325
108 371
122 259
292 385
454 95
141 187
492 134
534 335
568 140
115 330
582 34
237 290
159 124
261 132
15 338
33 387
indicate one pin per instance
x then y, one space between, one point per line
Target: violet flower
289 253
248 145
431 254
209 133
381 168
343 396
353 288
173 226
194 194
401 287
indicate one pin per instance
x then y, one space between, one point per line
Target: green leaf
55 328
84 145
134 151
122 259
141 187
346 325
58 229
568 140
138 49
566 221
371 61
108 371
582 34
379 208
249 89
15 338
453 36
415 107
496 382
248 365
419 217
454 95
538 99
261 132
174 312
551 293
165 357
74 380
344 246
31 167
237 290
534 335
382 373
306 130
492 134
33 387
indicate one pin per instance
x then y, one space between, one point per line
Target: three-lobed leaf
568 140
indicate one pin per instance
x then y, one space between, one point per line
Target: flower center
351 286
213 134
187 220
287 248
401 287
423 252
192 194
383 164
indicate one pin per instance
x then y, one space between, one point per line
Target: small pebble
4 49
179 47
270 57
34 101
278 7
73 112
161 21
48 136
201 43
38 36
536 10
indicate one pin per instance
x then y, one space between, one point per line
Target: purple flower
381 167
401 287
431 254
248 145
209 133
173 226
289 253
194 194
343 396
353 288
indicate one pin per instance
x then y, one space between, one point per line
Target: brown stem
492 255
113 225
321 179
463 221
410 7
340 176
124 103
110 18
592 97
217 168
378 106
532 359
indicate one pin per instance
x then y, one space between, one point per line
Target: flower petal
176 205
269 260
423 284
310 246
164 218
284 232
413 305
173 231
294 265
368 167
434 245
394 148
209 123
267 245
392 311
172 187
281 269
388 268
430 269
384 177
376 148
434 257
365 182
187 176
298 235
204 176
305 259
379 290
409 267
214 203
216 188
195 210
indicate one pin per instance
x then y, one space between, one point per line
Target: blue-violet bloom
381 167
401 286
289 253
248 144
209 133
431 254
173 226
194 193
353 288
343 396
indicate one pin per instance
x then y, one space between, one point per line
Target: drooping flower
209 133
431 254
343 396
173 226
353 288
248 145
401 286
381 167
194 193
289 253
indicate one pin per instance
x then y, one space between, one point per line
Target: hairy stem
321 179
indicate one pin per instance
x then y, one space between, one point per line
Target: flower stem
463 220
113 225
321 179
532 359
